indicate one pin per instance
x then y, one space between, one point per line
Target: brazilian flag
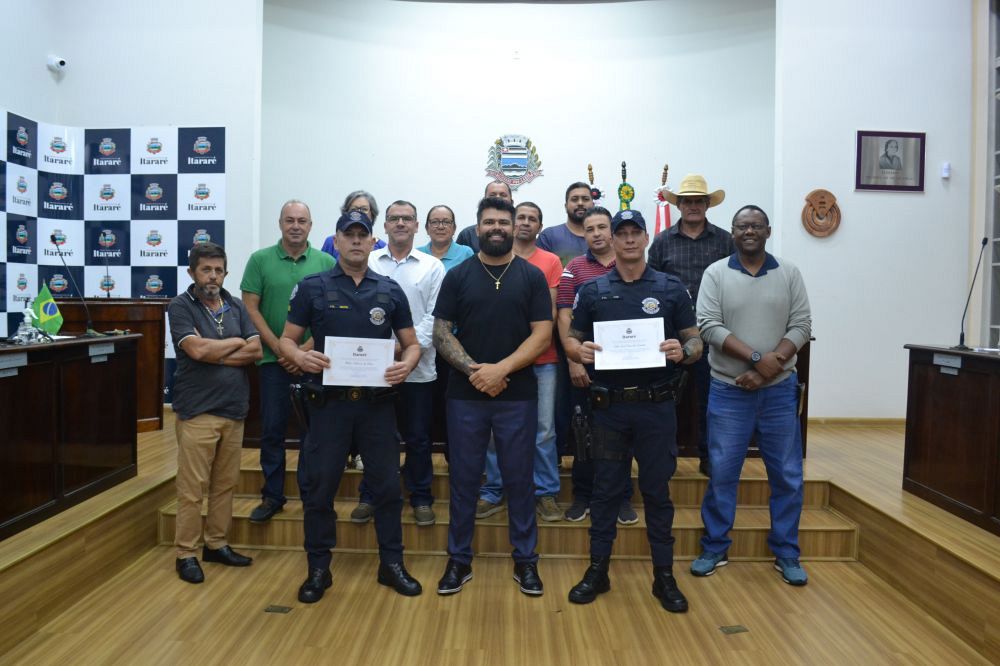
50 319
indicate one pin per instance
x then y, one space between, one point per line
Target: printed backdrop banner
116 209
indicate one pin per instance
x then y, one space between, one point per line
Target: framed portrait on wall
891 161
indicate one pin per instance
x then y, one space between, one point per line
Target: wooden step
823 535
686 488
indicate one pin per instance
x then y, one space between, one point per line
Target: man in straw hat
686 250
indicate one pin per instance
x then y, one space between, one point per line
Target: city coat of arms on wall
513 160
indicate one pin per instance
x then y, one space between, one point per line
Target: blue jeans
546 455
734 415
512 423
275 408
413 414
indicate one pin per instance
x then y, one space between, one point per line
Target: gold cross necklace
496 280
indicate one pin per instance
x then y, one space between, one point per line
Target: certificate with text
628 344
357 361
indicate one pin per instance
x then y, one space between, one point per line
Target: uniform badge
376 316
650 305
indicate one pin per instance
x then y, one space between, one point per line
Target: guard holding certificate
633 408
349 300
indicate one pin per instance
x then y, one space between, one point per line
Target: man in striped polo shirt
598 260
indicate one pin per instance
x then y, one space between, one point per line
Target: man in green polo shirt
267 285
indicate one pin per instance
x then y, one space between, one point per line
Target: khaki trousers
208 462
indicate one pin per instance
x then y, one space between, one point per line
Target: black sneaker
577 511
264 511
526 574
455 576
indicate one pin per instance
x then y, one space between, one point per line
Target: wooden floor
846 615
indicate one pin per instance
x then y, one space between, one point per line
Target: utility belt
602 397
319 395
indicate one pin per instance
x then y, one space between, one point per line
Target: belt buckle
630 394
354 394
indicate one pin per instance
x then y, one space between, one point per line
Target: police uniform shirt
329 303
634 300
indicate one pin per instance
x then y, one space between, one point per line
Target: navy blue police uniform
633 410
330 303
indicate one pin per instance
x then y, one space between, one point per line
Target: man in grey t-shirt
754 313
215 341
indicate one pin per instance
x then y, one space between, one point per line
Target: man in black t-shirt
501 307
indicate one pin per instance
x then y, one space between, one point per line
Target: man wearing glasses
686 250
754 312
420 276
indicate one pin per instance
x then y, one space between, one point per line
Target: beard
496 248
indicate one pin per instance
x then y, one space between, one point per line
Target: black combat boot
594 582
665 589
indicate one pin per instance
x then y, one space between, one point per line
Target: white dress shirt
420 276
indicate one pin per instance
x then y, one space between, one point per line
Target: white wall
133 63
405 98
28 34
896 271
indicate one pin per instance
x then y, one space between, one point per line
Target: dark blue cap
352 217
627 216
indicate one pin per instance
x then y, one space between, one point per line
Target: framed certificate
357 361
627 344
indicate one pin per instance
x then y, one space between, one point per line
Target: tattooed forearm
691 340
450 348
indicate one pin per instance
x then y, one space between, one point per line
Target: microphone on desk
961 336
91 333
107 267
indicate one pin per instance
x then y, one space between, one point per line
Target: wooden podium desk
138 315
67 425
952 454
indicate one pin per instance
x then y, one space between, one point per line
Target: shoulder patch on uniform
376 316
650 305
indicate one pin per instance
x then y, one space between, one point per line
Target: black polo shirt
208 388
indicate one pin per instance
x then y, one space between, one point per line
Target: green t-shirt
271 274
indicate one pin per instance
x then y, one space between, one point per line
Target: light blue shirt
456 254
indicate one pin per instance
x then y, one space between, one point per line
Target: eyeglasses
440 223
401 218
756 226
361 209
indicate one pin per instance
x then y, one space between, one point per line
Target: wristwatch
755 357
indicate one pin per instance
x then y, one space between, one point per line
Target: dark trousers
332 429
275 408
439 419
413 416
513 424
582 473
650 430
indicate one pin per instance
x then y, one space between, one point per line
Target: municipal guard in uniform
633 410
349 300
